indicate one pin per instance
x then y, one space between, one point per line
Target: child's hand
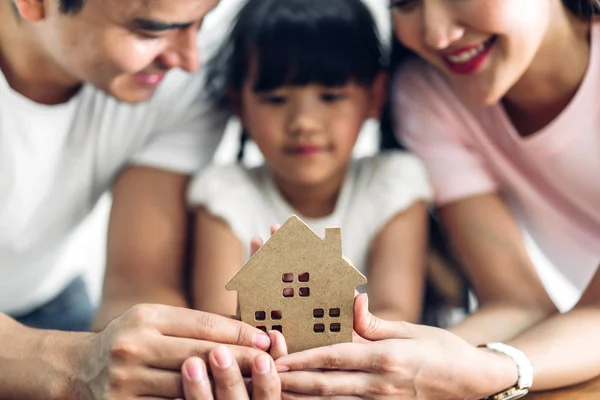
257 242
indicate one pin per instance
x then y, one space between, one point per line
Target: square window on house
335 327
276 315
287 277
304 292
319 328
288 292
277 328
260 315
303 277
262 328
334 312
318 313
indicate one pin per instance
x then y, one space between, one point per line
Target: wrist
497 373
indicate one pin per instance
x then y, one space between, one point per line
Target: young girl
501 99
303 76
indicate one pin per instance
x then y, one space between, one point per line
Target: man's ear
30 10
378 92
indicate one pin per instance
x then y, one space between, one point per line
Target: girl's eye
273 99
403 5
332 97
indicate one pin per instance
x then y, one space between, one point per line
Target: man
73 73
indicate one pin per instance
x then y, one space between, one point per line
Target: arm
146 242
218 255
397 266
576 359
510 293
36 364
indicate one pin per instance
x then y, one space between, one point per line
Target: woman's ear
378 93
30 10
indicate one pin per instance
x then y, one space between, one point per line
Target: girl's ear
30 10
235 102
378 93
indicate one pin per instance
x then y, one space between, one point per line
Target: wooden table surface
586 391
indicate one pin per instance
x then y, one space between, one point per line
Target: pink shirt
551 179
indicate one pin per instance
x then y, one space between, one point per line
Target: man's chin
133 97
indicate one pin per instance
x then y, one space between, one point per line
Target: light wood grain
586 391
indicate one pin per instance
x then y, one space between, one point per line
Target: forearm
563 349
116 303
37 364
498 323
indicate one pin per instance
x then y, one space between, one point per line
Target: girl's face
307 133
482 46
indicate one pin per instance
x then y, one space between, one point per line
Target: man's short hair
71 6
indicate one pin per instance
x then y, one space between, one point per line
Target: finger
275 228
193 324
170 353
348 356
371 327
147 381
196 384
255 244
326 384
229 383
278 345
298 396
265 380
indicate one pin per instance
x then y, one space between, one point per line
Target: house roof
293 243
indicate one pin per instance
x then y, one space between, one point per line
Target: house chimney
333 237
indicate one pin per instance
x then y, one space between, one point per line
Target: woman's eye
403 5
332 97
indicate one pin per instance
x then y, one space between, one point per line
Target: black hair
585 9
298 42
71 6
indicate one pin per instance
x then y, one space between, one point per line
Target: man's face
124 47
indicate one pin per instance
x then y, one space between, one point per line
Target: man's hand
403 361
140 354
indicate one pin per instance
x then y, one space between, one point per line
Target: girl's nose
304 120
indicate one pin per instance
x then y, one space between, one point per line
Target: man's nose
183 51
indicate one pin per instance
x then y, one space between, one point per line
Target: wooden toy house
300 284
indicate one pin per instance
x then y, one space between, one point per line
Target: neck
27 68
312 201
549 84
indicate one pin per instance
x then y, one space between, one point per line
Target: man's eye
273 99
332 97
403 5
146 35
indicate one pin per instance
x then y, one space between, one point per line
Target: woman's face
483 47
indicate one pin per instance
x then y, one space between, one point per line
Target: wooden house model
300 284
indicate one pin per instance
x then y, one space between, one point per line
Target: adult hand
397 360
228 380
140 354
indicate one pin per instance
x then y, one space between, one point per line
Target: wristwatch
524 370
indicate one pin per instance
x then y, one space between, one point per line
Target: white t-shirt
551 179
56 161
375 190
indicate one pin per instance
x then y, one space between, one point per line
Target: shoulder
218 183
394 179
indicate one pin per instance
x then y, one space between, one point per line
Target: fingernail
196 370
263 364
261 341
223 357
282 368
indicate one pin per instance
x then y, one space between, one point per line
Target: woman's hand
402 361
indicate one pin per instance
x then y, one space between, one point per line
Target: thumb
371 327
